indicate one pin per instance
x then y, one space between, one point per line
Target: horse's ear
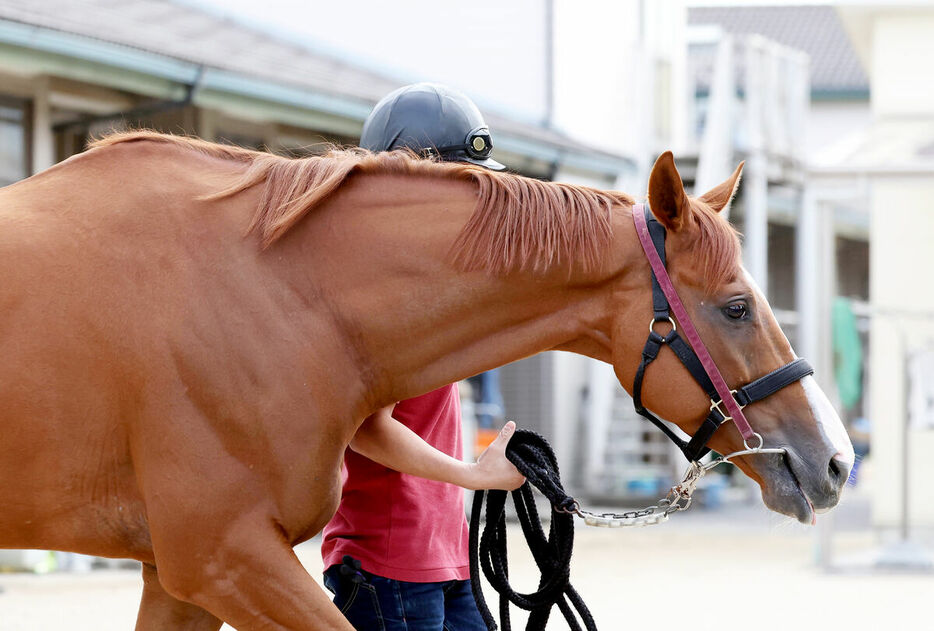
720 195
669 202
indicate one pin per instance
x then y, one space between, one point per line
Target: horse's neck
381 255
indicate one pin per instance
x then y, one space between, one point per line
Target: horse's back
77 261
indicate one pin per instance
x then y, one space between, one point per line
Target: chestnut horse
191 334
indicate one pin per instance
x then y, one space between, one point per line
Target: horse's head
736 324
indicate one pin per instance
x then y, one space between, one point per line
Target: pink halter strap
733 409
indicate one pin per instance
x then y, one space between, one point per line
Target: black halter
696 448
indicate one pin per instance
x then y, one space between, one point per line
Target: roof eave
293 103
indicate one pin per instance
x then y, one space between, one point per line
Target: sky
420 40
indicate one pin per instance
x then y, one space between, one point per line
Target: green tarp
847 352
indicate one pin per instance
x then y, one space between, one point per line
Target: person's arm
385 440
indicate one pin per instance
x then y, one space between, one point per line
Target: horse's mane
518 223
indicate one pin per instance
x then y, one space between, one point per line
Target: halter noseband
695 357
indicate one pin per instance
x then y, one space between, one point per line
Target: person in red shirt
395 552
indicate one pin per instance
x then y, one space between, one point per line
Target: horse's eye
736 310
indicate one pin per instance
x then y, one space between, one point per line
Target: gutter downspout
158 107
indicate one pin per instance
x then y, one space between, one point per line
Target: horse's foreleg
158 610
252 581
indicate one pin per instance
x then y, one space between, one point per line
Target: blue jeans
384 604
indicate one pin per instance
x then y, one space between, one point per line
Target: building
68 69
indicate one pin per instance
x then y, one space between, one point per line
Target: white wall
832 126
900 69
596 91
619 73
901 255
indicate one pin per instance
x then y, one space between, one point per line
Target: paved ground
737 568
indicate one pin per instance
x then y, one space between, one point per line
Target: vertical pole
679 86
807 303
207 124
825 269
756 223
715 160
815 290
807 259
906 447
756 189
827 292
602 390
43 141
549 113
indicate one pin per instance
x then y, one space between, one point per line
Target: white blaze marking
828 420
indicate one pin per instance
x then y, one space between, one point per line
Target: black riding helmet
430 119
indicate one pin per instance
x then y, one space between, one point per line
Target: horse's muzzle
801 486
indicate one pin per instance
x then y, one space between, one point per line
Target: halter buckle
715 405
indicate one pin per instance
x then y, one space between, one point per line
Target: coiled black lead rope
534 458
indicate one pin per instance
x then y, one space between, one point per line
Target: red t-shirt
400 526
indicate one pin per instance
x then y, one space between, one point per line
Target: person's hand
492 470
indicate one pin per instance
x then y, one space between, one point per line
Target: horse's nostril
838 471
834 468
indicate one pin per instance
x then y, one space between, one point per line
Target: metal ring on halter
674 327
761 442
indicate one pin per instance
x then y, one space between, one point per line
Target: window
14 149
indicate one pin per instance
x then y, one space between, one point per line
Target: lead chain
679 497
